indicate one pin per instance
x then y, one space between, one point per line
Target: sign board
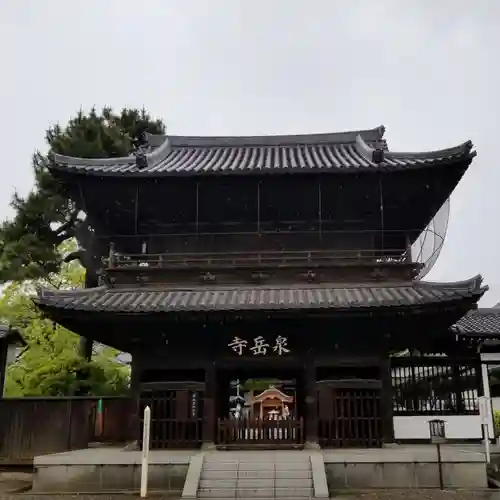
260 346
485 409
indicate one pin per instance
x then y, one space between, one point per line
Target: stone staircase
260 474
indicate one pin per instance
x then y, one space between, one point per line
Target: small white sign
485 409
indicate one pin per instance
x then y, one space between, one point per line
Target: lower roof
484 322
254 298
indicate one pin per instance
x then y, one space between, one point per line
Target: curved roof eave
341 152
332 296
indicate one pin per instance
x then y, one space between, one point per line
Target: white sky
426 69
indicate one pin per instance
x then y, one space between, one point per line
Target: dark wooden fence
349 413
435 385
38 426
176 414
256 432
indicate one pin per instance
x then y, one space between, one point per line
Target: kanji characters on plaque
260 346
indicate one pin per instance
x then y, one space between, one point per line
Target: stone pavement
373 495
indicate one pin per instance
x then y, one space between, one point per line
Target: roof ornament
142 148
373 154
378 156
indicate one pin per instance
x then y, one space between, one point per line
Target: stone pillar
210 407
311 406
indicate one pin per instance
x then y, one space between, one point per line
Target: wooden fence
38 426
176 415
349 413
256 432
435 385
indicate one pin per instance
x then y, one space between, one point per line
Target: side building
297 258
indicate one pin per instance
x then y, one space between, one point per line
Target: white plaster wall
457 427
495 403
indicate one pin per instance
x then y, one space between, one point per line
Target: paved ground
13 481
379 495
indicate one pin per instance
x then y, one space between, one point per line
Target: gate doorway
349 413
176 399
260 408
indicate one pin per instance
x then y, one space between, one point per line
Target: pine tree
46 217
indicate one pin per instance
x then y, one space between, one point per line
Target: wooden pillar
457 384
86 345
135 393
210 406
311 405
4 347
386 402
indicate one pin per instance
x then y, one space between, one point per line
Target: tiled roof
336 152
480 322
219 298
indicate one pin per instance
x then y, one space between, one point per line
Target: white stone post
145 452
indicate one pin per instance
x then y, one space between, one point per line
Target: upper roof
339 152
246 297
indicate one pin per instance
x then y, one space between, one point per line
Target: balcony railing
264 249
257 259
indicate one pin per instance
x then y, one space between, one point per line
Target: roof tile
337 152
480 322
137 300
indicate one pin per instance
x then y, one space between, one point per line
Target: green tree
46 217
50 365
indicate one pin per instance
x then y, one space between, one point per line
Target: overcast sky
426 69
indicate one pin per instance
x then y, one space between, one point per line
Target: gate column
134 417
311 406
209 406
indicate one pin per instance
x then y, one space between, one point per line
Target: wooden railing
260 432
38 426
254 259
262 248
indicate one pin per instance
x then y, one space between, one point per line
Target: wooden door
349 413
176 413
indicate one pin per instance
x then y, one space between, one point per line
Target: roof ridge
344 137
163 142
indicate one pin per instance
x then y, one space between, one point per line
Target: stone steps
262 475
